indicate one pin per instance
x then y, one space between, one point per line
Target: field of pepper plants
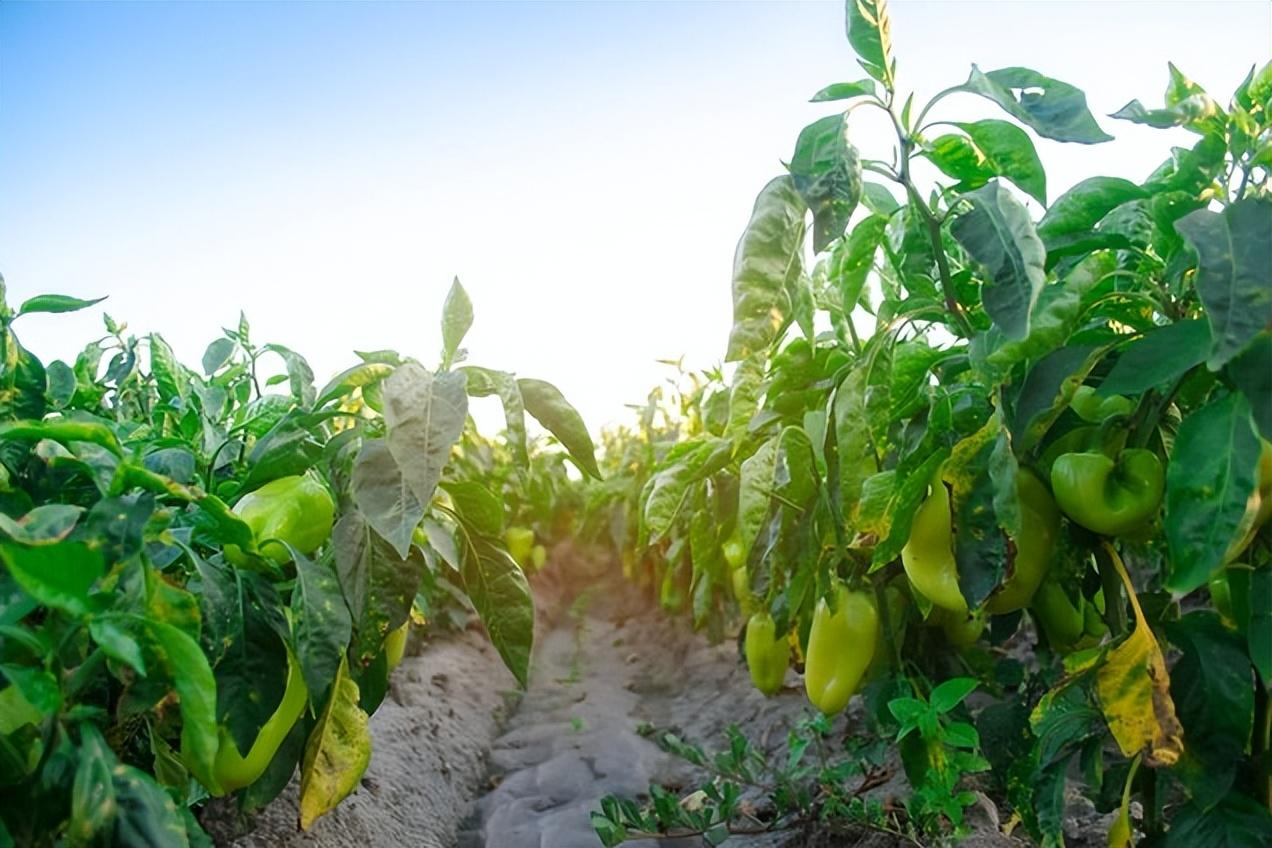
977 505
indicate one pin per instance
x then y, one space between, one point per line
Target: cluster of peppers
1096 482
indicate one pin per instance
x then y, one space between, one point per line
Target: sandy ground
460 762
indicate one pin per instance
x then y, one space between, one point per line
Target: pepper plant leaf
425 414
768 258
1051 108
1213 473
1134 690
827 174
337 753
998 234
1234 272
501 595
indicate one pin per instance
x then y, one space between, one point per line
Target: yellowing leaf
337 753
1134 690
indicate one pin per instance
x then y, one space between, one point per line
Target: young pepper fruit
841 645
767 653
928 555
1109 496
1092 407
296 509
233 770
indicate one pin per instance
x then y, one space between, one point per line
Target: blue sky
584 168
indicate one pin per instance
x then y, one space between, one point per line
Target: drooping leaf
1234 272
383 496
1052 108
498 589
769 255
998 234
378 584
826 170
1212 688
321 624
853 259
337 753
483 382
1212 473
1134 690
550 408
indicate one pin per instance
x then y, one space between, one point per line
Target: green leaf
1213 471
951 693
58 576
483 382
1211 685
1251 372
481 509
424 414
378 584
1158 357
1052 108
383 496
300 377
457 317
1259 626
755 490
998 234
1238 821
93 804
768 258
827 174
321 627
853 259
355 377
337 753
500 594
217 354
1234 272
44 525
550 408
844 91
56 303
1081 207
1009 153
878 199
869 31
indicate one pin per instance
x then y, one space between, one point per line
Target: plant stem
1111 581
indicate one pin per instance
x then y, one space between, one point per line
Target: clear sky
584 168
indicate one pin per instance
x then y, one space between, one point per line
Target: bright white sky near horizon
585 169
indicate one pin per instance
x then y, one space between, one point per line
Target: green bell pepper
1090 406
1106 495
297 510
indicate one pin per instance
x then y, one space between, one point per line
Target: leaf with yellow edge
1134 690
337 753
